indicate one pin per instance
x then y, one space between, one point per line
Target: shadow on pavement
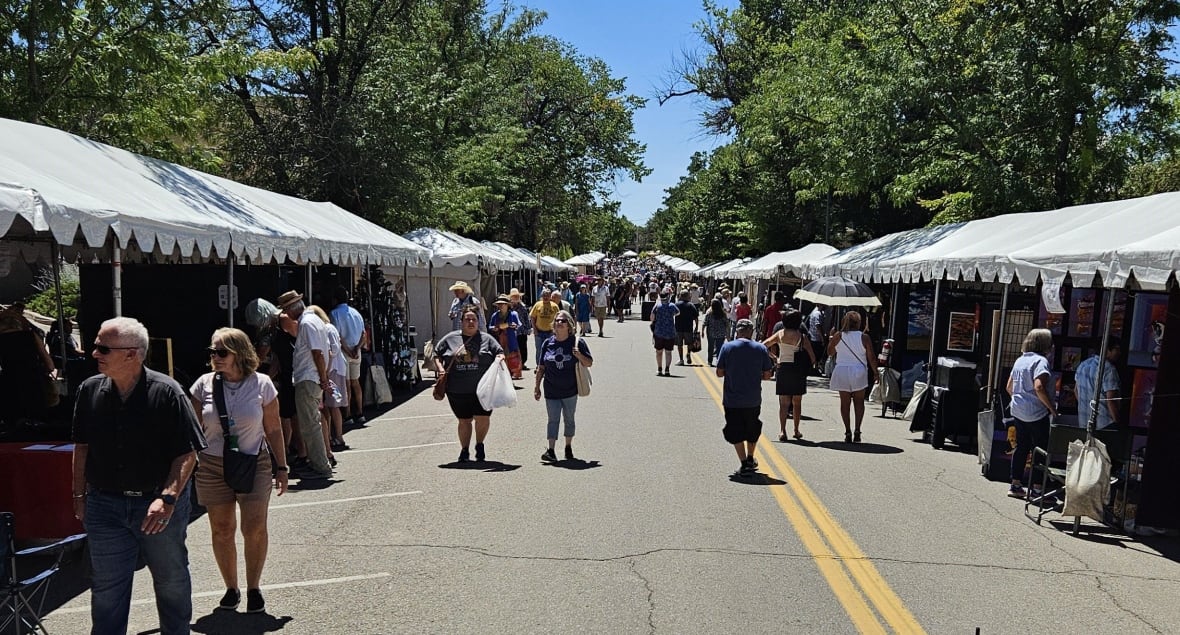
803 442
480 466
574 464
240 623
757 479
862 448
310 485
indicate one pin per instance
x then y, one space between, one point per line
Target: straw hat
460 285
502 299
514 293
288 298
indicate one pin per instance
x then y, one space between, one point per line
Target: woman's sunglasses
220 352
561 321
106 350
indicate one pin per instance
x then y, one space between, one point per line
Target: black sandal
848 437
856 437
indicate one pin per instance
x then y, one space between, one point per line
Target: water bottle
231 440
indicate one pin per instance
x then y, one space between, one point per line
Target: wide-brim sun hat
460 285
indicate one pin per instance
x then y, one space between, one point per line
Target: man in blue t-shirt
743 364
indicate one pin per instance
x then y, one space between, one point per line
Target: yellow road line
815 524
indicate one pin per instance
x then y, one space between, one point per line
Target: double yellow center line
859 587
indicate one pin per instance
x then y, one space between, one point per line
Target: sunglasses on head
106 350
220 352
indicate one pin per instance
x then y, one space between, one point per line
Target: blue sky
641 40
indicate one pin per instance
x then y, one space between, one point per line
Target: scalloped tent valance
1117 241
84 194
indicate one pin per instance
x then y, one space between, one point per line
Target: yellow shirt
542 315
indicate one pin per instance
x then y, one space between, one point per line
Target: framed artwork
1117 317
1051 321
1142 394
961 332
1081 314
1147 329
920 320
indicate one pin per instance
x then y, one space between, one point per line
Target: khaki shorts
354 367
600 312
211 487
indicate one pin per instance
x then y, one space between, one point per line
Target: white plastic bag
495 389
1087 479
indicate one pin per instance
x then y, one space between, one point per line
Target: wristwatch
282 468
168 499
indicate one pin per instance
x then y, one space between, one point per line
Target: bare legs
223 522
792 404
482 425
855 400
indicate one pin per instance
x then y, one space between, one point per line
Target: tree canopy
883 116
443 113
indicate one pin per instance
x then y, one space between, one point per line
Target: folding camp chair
20 608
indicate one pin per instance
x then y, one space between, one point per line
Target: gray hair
1037 341
130 331
295 307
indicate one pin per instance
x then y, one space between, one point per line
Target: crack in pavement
651 602
1083 572
1110 595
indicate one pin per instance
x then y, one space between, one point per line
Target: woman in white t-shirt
336 397
253 409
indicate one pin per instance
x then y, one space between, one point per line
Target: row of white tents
60 193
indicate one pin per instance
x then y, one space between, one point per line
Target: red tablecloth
35 486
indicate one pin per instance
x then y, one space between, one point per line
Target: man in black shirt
686 326
136 439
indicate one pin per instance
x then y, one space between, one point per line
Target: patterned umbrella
838 291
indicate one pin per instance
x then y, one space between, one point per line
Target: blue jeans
539 338
558 407
715 344
117 543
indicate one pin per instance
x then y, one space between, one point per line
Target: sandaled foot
798 435
848 437
856 437
783 437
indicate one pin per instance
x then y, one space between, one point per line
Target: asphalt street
647 532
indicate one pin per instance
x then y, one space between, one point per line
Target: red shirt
743 311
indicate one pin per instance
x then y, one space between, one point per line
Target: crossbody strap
845 343
219 403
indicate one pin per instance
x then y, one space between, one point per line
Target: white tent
685 266
628 254
453 258
61 185
586 260
1116 240
794 262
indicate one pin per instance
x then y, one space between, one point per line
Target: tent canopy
794 262
628 254
586 260
1116 240
55 184
448 248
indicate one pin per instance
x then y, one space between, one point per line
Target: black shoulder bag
239 468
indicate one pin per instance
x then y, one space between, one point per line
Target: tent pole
372 322
406 290
433 300
995 365
933 330
229 291
1092 421
893 311
61 314
307 284
117 279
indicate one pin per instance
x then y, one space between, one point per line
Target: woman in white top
252 406
855 359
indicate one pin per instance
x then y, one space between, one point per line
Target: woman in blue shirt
582 306
558 355
1032 408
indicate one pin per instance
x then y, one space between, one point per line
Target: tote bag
584 379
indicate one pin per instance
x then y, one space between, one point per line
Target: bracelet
282 468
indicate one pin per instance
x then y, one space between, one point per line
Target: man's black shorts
742 424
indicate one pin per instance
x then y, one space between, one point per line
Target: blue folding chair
20 607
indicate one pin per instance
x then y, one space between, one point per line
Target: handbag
584 380
695 345
239 468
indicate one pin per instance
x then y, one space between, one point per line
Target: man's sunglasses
106 350
220 352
